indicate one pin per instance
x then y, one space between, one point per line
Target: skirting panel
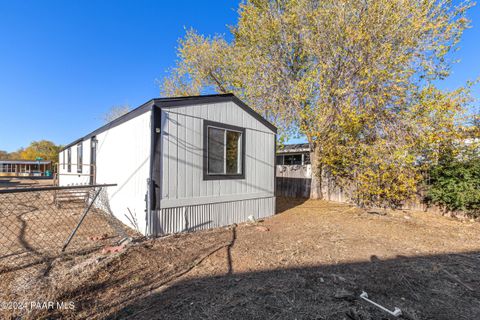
212 215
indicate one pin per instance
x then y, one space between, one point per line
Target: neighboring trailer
25 168
180 164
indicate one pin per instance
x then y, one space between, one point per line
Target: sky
64 64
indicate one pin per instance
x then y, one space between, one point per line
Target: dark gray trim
93 159
175 102
195 100
207 176
128 116
275 167
156 157
80 157
25 162
69 159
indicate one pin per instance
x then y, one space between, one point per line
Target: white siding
123 158
182 156
73 177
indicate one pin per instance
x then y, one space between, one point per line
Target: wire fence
41 224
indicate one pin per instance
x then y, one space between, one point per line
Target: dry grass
313 263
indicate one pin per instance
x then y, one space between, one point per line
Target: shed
293 154
180 164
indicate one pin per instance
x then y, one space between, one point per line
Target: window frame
69 159
80 157
226 127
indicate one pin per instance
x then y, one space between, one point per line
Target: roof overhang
175 102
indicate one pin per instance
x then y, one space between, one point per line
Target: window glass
293 159
216 150
224 151
280 160
79 157
69 159
233 152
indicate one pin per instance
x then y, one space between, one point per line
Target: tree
115 112
15 155
354 77
44 149
3 155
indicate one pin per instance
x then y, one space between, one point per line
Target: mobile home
180 164
25 168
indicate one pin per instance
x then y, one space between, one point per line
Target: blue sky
63 64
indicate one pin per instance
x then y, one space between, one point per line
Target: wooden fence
295 180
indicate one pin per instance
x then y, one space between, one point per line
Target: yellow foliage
44 149
354 77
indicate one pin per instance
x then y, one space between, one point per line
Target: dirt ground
310 261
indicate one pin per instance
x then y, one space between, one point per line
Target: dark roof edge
188 101
175 102
26 161
128 116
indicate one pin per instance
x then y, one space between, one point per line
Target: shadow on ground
427 287
285 203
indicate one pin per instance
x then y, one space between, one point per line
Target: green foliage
455 182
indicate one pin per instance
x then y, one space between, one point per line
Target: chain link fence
40 224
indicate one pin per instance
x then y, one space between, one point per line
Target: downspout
150 228
275 167
155 178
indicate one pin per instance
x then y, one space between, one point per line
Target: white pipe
396 313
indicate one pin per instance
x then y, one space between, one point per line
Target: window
69 160
224 151
306 158
63 160
293 159
279 160
79 157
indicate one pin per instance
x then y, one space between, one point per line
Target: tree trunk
316 184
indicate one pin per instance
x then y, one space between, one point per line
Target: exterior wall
123 157
183 187
73 177
294 171
212 215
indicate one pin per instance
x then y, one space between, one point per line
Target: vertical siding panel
206 186
198 152
165 155
181 156
247 168
172 153
265 172
253 165
189 149
213 215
